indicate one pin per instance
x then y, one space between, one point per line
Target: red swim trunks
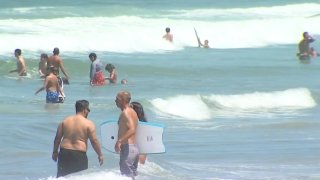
98 79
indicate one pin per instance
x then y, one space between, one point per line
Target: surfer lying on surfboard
206 42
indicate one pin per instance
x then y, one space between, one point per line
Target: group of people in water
70 142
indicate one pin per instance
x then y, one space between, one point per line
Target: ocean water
245 109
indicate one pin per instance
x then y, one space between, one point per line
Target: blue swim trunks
52 97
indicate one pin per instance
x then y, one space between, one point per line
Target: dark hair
304 34
44 55
82 105
138 108
92 55
167 29
17 51
109 67
56 51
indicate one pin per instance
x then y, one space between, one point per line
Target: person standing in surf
96 75
304 46
42 69
138 108
72 137
126 144
168 36
112 73
51 85
21 65
56 61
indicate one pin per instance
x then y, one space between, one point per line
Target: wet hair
138 108
17 51
56 51
92 55
82 105
305 34
167 29
44 55
109 67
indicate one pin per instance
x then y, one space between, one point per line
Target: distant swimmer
304 47
168 36
96 74
51 85
56 61
112 73
21 65
42 69
124 81
206 42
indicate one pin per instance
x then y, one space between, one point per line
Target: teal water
245 109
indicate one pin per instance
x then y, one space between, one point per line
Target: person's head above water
56 51
167 29
305 34
138 108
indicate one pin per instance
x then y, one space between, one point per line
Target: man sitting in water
51 84
168 36
304 47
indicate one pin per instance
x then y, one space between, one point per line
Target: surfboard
149 137
195 31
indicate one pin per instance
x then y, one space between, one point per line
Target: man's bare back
76 134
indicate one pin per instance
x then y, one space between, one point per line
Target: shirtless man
168 36
51 85
21 65
126 144
72 137
42 69
56 61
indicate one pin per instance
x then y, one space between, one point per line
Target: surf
204 107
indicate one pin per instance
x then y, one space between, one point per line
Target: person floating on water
96 75
21 65
168 36
305 52
42 69
72 136
51 85
112 73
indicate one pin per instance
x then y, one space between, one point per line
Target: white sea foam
243 28
196 107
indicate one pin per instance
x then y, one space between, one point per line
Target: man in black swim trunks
72 136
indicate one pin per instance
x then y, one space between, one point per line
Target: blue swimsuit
52 97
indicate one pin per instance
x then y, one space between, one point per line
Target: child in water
113 74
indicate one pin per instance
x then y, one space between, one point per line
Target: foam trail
196 107
190 107
299 98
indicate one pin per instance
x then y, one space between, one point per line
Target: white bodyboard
149 137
